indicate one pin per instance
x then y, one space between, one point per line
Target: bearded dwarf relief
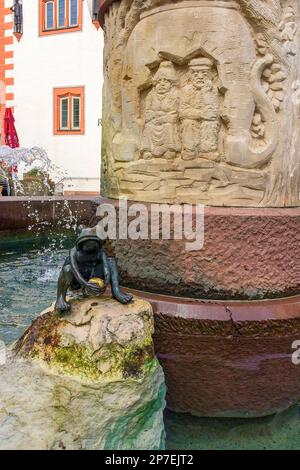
201 102
199 111
160 136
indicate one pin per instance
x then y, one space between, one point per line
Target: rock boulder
89 380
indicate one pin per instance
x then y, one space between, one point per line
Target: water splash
26 155
50 275
29 160
36 158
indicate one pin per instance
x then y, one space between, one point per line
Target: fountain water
35 162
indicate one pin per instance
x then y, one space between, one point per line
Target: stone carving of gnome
160 137
88 268
199 110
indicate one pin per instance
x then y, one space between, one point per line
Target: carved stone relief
160 133
201 102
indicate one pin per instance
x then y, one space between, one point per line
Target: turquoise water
28 276
277 432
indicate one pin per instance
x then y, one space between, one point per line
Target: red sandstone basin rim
227 359
18 212
7 199
239 311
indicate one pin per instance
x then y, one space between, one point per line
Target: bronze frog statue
88 268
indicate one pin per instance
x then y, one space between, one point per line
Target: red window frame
67 28
70 93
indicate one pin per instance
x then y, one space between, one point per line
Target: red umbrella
11 136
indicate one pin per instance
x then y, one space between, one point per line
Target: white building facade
52 75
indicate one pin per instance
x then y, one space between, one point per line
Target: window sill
67 29
69 132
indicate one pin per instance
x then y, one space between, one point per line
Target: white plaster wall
60 60
76 185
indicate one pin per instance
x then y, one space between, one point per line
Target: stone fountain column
202 105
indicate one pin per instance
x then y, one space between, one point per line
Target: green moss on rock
129 362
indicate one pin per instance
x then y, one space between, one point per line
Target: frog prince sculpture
88 268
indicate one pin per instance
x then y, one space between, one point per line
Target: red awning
10 133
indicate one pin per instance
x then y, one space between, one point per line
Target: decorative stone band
198 3
103 6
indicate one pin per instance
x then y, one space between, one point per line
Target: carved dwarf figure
88 268
199 111
160 136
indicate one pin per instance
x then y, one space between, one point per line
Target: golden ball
98 281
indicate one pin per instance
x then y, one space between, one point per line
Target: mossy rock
99 340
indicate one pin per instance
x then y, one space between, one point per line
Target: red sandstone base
248 254
224 357
227 359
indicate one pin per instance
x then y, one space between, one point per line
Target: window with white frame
75 112
70 113
73 13
49 17
61 14
64 113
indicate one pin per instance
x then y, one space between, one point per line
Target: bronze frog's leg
71 272
64 281
122 297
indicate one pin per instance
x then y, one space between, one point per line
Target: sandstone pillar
202 105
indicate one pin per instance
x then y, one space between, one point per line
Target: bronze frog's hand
93 289
118 294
